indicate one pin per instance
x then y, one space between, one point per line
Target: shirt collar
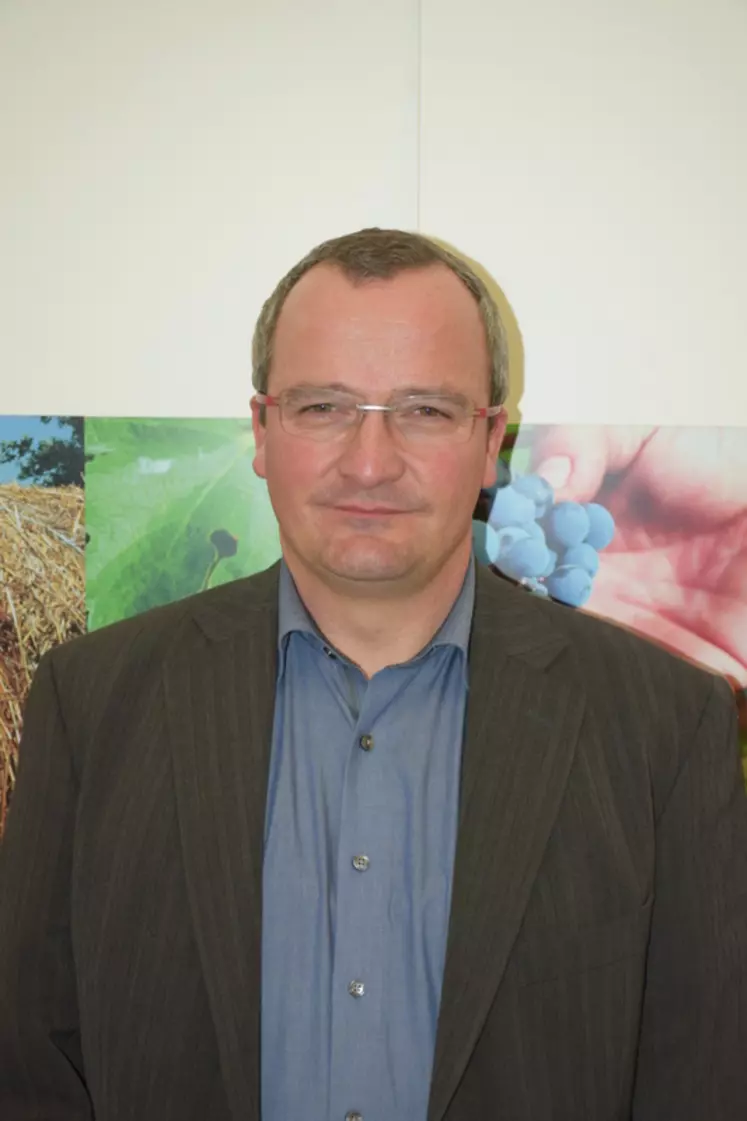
293 616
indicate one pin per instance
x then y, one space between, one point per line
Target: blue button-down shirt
360 837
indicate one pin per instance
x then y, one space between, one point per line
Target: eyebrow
405 390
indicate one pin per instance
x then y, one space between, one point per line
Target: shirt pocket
549 952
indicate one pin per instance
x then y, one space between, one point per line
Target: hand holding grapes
676 568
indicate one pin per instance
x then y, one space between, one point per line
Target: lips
370 511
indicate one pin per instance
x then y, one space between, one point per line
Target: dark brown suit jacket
597 946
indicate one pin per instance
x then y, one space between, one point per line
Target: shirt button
330 653
361 863
353 1115
366 742
356 988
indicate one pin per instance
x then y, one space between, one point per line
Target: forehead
421 314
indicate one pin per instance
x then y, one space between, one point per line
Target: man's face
419 331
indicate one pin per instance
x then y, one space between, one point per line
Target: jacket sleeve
691 1063
41 1067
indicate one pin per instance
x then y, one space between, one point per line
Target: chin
367 564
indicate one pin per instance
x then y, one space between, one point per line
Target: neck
387 627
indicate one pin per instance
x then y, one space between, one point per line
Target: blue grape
535 530
567 524
506 537
583 556
601 526
570 585
510 508
524 558
537 489
492 543
552 561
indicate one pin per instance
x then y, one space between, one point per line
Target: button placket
358 991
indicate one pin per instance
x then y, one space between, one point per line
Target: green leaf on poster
172 506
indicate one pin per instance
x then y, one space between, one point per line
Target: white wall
164 162
592 155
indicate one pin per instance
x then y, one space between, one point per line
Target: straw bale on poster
42 598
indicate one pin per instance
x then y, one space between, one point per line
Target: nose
371 456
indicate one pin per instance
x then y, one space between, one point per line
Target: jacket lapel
220 693
523 717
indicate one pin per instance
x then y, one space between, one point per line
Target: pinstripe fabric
596 955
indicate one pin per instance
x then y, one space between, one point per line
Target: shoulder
621 671
94 663
645 708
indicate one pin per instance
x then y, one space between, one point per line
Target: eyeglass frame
479 412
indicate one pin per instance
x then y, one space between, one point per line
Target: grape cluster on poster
550 547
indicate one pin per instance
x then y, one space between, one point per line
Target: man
481 855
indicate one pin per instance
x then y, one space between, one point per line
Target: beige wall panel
592 156
163 163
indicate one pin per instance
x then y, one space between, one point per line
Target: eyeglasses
331 414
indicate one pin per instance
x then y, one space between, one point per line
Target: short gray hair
380 254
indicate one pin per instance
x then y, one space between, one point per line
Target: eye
431 411
316 407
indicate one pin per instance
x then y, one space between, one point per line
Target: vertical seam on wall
419 112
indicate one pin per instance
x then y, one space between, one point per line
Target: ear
260 436
495 439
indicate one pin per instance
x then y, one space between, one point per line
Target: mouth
369 511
